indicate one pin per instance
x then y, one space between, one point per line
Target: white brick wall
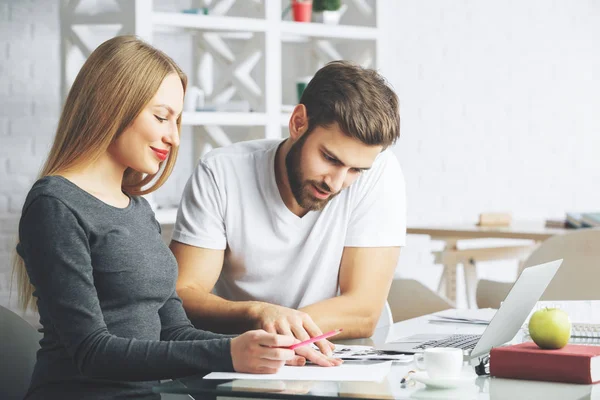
29 105
499 111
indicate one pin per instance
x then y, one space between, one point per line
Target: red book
573 363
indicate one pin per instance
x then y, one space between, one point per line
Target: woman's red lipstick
161 154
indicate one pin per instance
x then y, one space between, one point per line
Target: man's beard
301 188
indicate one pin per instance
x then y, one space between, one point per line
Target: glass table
483 387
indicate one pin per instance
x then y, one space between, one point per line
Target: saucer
442 383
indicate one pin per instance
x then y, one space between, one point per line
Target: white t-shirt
232 203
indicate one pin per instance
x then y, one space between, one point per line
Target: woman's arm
176 325
57 256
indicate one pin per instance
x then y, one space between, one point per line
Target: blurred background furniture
19 342
409 298
577 278
451 256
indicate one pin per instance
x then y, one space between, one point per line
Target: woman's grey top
105 286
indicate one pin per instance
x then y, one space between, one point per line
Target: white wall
499 110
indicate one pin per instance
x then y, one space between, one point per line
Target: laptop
506 323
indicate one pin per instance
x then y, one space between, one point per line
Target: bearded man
299 236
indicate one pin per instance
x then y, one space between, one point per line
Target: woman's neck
102 179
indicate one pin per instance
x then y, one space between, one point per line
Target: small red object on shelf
301 10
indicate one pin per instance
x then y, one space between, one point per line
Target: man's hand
286 321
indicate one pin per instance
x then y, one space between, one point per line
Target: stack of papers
481 316
375 372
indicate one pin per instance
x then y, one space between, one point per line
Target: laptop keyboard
465 342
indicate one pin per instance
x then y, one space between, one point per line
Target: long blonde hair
114 85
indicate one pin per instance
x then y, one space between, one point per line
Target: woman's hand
260 352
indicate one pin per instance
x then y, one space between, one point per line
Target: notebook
585 330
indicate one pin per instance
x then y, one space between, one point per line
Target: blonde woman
90 248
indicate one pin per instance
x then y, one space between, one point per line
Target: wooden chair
577 279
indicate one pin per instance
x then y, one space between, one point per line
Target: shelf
261 35
286 113
224 118
309 29
208 22
166 216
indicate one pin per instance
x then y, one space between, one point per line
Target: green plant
326 5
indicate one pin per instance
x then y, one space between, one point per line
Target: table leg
470 271
447 285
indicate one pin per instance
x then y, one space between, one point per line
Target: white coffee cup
441 362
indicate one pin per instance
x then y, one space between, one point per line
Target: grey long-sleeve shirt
105 286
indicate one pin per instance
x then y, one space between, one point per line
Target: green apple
550 328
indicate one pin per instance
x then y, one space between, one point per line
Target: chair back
576 279
579 275
409 298
19 343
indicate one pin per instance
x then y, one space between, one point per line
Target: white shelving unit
234 55
224 118
322 31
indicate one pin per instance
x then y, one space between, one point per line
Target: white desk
482 388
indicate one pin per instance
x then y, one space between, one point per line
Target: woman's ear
298 122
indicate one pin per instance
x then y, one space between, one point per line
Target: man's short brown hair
358 99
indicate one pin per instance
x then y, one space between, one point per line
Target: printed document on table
363 353
375 372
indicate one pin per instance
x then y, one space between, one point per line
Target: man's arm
199 269
366 274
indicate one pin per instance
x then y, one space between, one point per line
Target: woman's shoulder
51 190
52 187
46 192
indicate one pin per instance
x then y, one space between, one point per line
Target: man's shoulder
385 172
238 152
385 164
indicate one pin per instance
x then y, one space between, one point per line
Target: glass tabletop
481 388
391 387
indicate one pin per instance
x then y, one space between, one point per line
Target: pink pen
315 339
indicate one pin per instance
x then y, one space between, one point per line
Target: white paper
477 316
459 321
375 372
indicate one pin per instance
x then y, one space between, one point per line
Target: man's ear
298 122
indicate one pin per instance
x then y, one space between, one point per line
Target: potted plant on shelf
328 11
